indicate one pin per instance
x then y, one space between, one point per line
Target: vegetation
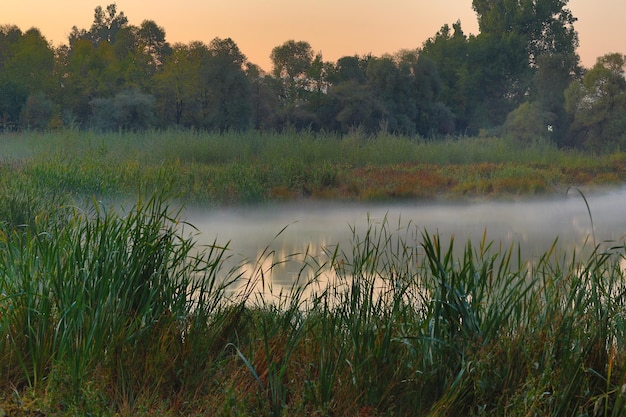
519 75
120 312
252 167
109 311
106 313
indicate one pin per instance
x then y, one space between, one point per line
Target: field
109 313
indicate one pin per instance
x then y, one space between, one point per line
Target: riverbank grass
120 313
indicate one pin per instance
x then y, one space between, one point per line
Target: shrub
128 110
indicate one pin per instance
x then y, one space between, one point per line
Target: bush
128 110
40 113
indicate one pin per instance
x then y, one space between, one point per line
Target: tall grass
124 299
255 167
119 312
111 312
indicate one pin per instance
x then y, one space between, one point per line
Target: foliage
527 123
128 110
598 104
523 58
40 113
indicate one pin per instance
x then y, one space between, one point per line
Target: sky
335 28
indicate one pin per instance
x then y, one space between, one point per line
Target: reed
120 296
117 311
255 167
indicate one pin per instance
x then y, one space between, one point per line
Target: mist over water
533 224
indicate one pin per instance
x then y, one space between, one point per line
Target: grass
249 168
119 314
119 311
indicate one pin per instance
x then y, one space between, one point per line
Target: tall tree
598 104
205 86
553 74
460 85
228 103
547 26
178 84
291 61
105 26
151 40
526 30
26 68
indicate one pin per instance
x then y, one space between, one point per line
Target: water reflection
273 240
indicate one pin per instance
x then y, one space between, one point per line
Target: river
295 228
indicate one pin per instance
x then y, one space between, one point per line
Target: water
288 229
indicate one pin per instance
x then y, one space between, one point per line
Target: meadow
119 312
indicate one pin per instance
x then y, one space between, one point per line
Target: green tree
598 105
485 77
395 92
105 26
290 63
227 103
553 74
111 57
88 72
349 69
528 123
524 31
353 105
265 105
178 84
151 41
40 113
26 68
459 83
205 86
546 26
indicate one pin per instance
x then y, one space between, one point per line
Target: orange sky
334 27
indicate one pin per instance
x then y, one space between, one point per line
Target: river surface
283 230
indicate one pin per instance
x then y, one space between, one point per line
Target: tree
111 57
290 62
598 105
355 106
546 26
395 92
26 68
349 69
40 113
528 123
177 85
493 72
460 88
553 74
228 101
104 28
205 86
151 40
264 101
88 71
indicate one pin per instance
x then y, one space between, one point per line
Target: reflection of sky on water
533 225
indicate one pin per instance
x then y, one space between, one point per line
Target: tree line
520 77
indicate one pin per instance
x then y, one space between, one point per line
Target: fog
291 228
